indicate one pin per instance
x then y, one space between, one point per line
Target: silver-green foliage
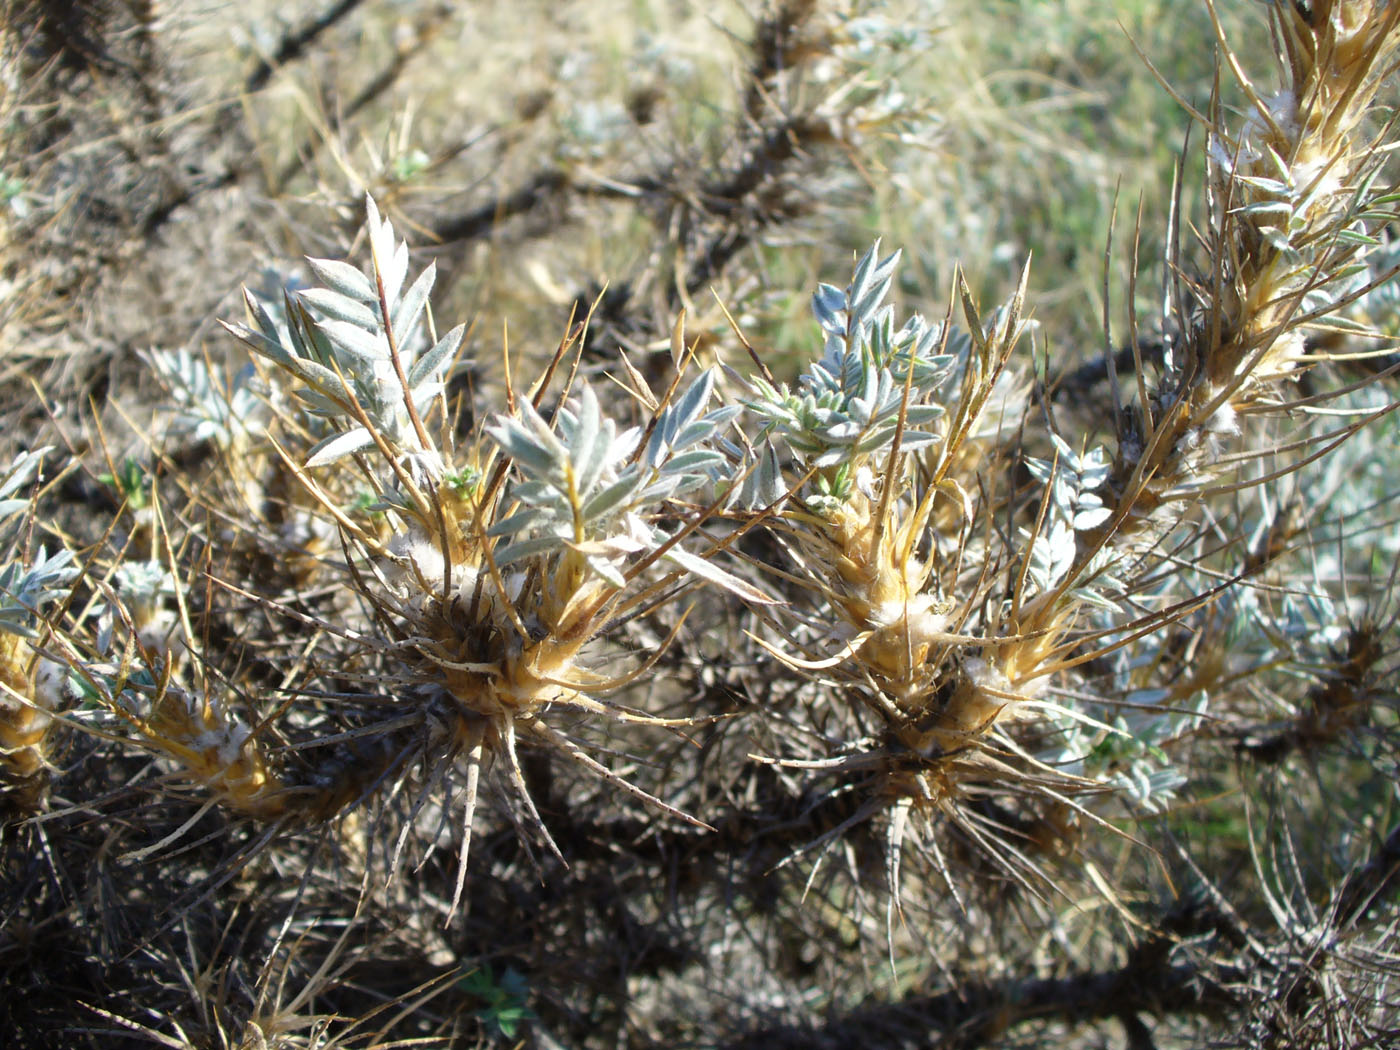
26 585
25 589
590 485
850 403
209 404
353 345
20 472
1073 506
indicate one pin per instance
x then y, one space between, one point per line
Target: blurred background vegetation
544 152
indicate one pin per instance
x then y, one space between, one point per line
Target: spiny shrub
974 639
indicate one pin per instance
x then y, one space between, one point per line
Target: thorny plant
491 567
948 599
502 564
968 586
31 684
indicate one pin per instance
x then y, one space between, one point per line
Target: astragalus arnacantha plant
941 630
964 571
30 684
972 568
490 565
1298 193
359 668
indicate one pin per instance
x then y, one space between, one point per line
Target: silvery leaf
514 552
257 342
1091 517
699 460
529 520
869 285
711 573
607 569
611 497
21 470
829 307
364 347
395 269
764 485
340 308
339 446
406 314
436 358
536 450
343 278
587 453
